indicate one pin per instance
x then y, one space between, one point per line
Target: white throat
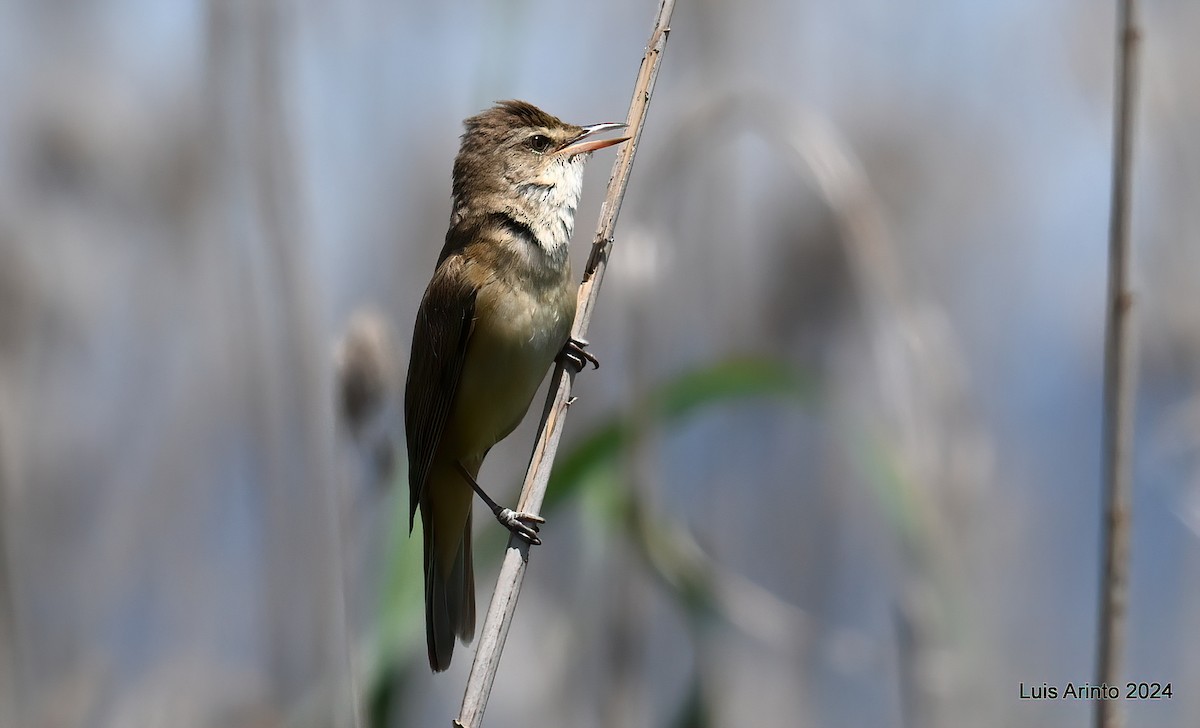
552 202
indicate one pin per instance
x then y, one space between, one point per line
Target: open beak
584 143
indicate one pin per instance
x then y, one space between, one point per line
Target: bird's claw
522 525
575 353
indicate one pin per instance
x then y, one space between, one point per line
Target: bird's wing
444 324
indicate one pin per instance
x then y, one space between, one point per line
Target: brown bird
494 317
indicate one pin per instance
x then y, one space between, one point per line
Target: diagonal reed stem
516 557
1118 379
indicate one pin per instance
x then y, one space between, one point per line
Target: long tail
449 576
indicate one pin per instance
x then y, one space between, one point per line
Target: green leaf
728 380
401 614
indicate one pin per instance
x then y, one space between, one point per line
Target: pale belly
513 345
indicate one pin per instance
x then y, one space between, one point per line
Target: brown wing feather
443 328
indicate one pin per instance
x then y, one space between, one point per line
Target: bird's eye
539 143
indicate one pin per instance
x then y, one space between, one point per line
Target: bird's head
518 152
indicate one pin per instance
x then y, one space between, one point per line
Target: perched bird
496 314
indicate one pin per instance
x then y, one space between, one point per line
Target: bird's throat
548 205
540 210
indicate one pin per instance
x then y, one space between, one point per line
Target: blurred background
840 466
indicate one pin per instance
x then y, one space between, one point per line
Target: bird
496 314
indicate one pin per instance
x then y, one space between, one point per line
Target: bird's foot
575 355
522 525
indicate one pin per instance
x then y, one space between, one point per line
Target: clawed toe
522 525
575 353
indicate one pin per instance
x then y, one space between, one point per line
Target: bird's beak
584 143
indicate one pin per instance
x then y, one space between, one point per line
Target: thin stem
512 571
1118 380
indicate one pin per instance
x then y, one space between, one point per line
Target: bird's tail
449 576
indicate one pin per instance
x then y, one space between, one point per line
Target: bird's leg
574 354
523 525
